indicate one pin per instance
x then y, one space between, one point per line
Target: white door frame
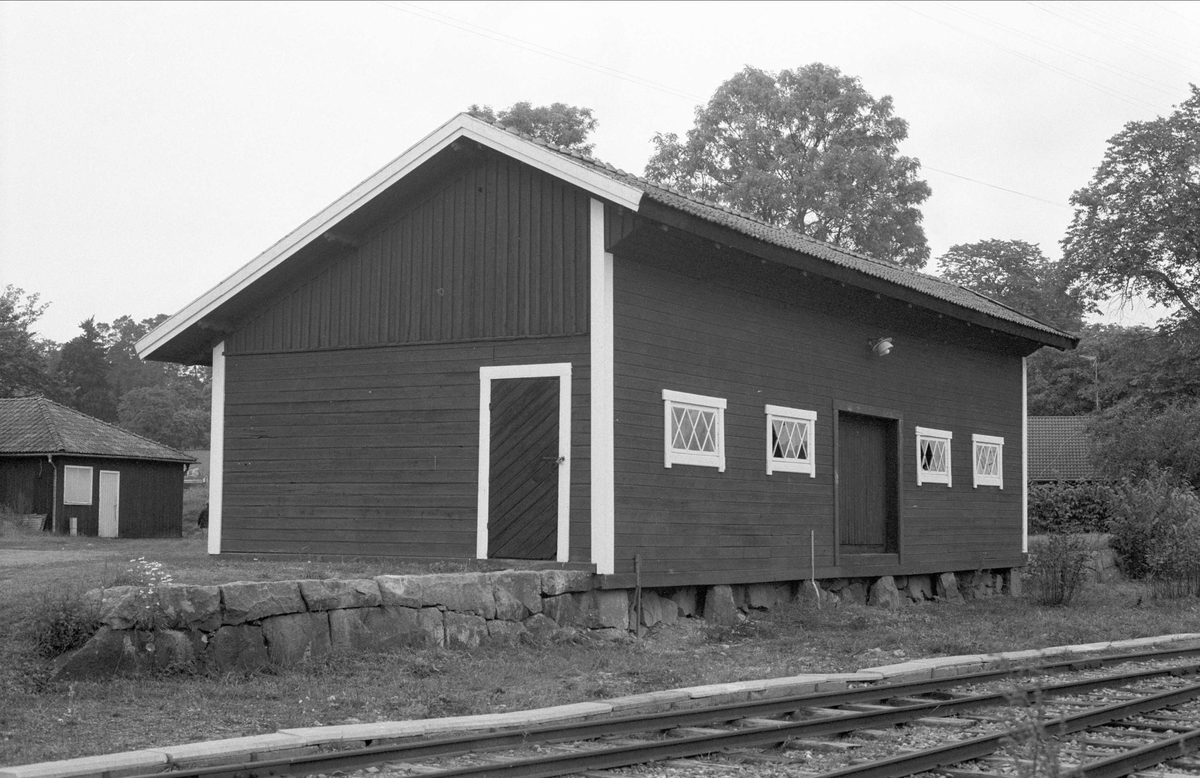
561 370
109 521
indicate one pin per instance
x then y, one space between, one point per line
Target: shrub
1056 567
1070 507
1155 531
62 620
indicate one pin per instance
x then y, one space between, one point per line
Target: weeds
62 620
1057 567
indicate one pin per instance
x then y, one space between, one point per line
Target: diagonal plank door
523 470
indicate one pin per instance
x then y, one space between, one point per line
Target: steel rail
1140 758
676 748
930 759
458 745
897 767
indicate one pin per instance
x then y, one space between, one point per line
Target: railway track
1093 718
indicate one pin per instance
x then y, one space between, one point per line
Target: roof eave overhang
173 460
728 236
460 127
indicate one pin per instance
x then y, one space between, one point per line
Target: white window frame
676 456
71 491
487 374
791 465
926 477
987 479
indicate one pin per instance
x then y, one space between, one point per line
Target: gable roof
201 324
1058 449
36 426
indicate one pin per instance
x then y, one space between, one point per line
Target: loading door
867 484
524 469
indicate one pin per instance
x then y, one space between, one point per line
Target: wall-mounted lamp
881 347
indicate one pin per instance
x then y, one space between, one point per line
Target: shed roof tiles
37 426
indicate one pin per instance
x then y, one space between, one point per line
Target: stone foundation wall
246 626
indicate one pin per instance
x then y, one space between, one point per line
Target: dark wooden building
496 348
78 471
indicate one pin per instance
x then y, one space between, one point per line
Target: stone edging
304 740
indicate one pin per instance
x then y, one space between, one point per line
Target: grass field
41 721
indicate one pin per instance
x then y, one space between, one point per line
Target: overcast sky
148 150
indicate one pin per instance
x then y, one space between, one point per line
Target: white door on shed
110 502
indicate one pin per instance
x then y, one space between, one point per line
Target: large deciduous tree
808 149
1019 275
1136 228
563 125
24 369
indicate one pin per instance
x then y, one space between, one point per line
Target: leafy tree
23 355
175 414
558 123
1115 367
1137 224
83 370
808 149
1138 442
1019 275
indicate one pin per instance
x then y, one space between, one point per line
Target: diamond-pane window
988 454
933 456
790 440
694 430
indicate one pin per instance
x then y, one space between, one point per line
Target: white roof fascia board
460 126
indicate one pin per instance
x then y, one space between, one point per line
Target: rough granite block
253 600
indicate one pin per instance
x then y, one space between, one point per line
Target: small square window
790 440
933 456
695 430
77 485
987 453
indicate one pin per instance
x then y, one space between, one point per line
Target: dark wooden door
523 469
867 500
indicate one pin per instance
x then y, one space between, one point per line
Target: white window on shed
694 430
790 440
77 485
933 456
987 451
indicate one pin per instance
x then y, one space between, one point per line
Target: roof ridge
44 410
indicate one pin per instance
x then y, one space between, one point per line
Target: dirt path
25 557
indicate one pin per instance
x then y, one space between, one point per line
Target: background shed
66 465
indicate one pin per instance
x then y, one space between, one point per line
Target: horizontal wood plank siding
701 320
374 452
499 250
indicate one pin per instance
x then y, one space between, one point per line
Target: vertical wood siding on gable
679 332
498 251
374 452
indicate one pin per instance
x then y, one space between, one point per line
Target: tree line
98 372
